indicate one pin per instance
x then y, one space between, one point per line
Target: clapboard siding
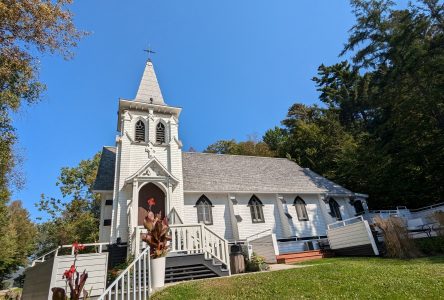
38 281
315 226
221 213
353 235
264 247
95 265
246 226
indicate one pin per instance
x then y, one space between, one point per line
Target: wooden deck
300 256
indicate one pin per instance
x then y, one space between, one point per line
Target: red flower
78 247
151 201
68 274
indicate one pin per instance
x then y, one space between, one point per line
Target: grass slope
335 278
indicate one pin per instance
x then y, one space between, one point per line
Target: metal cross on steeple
149 51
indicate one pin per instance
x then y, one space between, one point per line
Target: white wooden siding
95 265
265 247
315 226
41 278
356 234
271 215
221 213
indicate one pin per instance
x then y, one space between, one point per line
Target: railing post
137 241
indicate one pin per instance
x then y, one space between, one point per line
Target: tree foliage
28 28
380 129
20 242
251 147
76 216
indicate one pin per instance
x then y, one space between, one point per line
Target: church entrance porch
150 191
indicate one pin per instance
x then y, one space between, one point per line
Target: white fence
263 244
352 237
47 271
134 282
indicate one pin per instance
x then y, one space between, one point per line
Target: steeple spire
149 89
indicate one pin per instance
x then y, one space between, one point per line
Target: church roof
149 89
105 173
207 172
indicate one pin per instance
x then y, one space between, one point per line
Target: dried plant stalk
438 216
396 237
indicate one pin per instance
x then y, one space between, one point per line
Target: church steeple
149 89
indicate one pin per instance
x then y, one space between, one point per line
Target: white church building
235 198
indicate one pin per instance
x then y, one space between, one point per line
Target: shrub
256 263
431 246
397 241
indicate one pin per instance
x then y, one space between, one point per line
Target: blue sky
235 67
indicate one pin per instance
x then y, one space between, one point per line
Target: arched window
160 133
204 213
140 131
335 209
257 214
301 209
359 208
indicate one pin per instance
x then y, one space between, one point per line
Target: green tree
28 28
76 216
22 239
251 147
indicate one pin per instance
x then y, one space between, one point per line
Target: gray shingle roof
205 172
105 174
234 173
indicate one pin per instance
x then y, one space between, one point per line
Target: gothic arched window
301 209
359 208
257 214
335 209
160 133
204 211
140 131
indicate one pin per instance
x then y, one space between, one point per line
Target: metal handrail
256 234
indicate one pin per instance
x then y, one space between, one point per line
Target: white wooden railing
345 222
192 239
134 282
55 252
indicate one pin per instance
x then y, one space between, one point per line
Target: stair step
181 268
190 277
176 275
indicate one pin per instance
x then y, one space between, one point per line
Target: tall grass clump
397 241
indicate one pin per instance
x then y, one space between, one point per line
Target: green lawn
334 278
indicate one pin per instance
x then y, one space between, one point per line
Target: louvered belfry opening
160 133
140 132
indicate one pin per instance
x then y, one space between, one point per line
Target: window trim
335 209
299 202
161 123
136 139
204 203
256 210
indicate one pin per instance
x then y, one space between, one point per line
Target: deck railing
134 282
345 222
98 248
191 239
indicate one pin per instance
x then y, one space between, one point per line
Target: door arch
150 190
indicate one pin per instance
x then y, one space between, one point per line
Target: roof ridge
253 156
